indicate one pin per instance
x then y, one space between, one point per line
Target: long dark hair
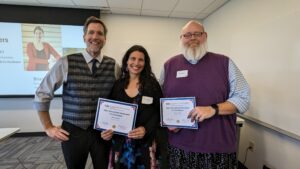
146 73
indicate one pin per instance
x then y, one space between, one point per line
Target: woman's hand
137 133
107 134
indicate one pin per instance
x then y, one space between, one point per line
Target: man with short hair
85 77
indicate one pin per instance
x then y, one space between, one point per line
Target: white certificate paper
174 112
115 115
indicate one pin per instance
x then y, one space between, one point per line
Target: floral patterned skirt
193 160
133 156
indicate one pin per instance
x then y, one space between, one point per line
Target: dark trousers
82 142
162 147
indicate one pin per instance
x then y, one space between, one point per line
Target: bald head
193 23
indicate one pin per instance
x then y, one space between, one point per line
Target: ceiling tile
155 13
98 3
165 8
19 2
192 5
57 2
125 11
129 4
214 6
183 14
159 5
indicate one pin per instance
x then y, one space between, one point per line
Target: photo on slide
41 46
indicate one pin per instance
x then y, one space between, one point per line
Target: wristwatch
216 107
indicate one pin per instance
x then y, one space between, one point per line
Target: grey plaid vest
82 89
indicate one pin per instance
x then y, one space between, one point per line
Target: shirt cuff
241 105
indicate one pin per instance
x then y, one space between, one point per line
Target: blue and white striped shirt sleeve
239 94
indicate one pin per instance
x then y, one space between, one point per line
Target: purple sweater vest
208 82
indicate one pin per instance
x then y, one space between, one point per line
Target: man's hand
57 133
201 113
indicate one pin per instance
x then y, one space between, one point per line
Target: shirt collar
88 58
194 61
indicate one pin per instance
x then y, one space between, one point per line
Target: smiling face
193 35
94 39
193 41
136 63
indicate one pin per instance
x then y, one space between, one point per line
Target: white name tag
182 73
147 100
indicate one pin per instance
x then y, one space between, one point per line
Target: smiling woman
137 85
39 52
135 63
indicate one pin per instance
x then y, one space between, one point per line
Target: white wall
160 36
262 37
19 112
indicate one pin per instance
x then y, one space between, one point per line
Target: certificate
174 112
115 115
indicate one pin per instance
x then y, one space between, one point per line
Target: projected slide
28 51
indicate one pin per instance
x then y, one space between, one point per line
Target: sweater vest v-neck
207 81
82 89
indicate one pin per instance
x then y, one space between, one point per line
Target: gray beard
194 55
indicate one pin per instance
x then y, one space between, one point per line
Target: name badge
182 73
147 100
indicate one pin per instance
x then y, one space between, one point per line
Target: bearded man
220 91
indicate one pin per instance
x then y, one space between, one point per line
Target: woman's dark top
147 116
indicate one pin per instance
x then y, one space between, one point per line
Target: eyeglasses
189 35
